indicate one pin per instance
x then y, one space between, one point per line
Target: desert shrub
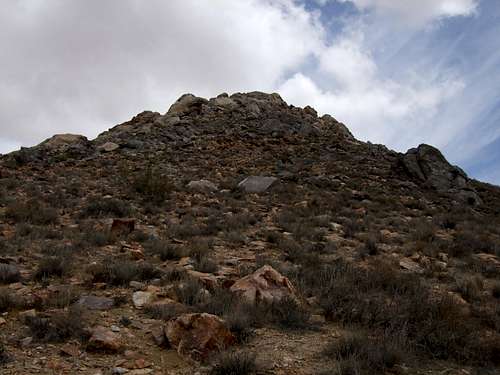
52 266
234 363
220 302
32 212
9 274
424 231
200 252
469 287
174 274
58 327
4 355
289 314
62 298
370 246
190 292
237 222
99 238
205 264
351 227
152 185
123 272
241 319
165 250
8 301
99 207
360 354
164 311
468 242
386 300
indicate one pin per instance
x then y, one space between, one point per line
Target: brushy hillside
241 235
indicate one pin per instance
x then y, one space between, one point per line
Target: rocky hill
241 235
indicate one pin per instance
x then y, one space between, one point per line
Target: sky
396 72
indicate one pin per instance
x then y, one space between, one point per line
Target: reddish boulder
197 335
103 339
266 284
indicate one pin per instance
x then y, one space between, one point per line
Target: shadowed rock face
429 166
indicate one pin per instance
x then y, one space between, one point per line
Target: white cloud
79 66
420 11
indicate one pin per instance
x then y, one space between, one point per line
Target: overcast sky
397 72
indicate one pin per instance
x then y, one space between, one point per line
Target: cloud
81 66
417 12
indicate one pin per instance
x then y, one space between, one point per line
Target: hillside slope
320 253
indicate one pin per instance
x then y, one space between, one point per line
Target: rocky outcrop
428 165
187 104
196 336
266 284
57 147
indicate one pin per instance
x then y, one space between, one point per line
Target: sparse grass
123 272
58 327
9 274
234 362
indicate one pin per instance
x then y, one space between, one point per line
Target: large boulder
96 303
266 284
187 104
428 165
198 335
62 141
257 184
103 339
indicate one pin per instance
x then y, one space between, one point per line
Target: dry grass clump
117 272
9 274
234 362
32 212
58 327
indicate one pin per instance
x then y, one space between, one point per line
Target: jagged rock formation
428 165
